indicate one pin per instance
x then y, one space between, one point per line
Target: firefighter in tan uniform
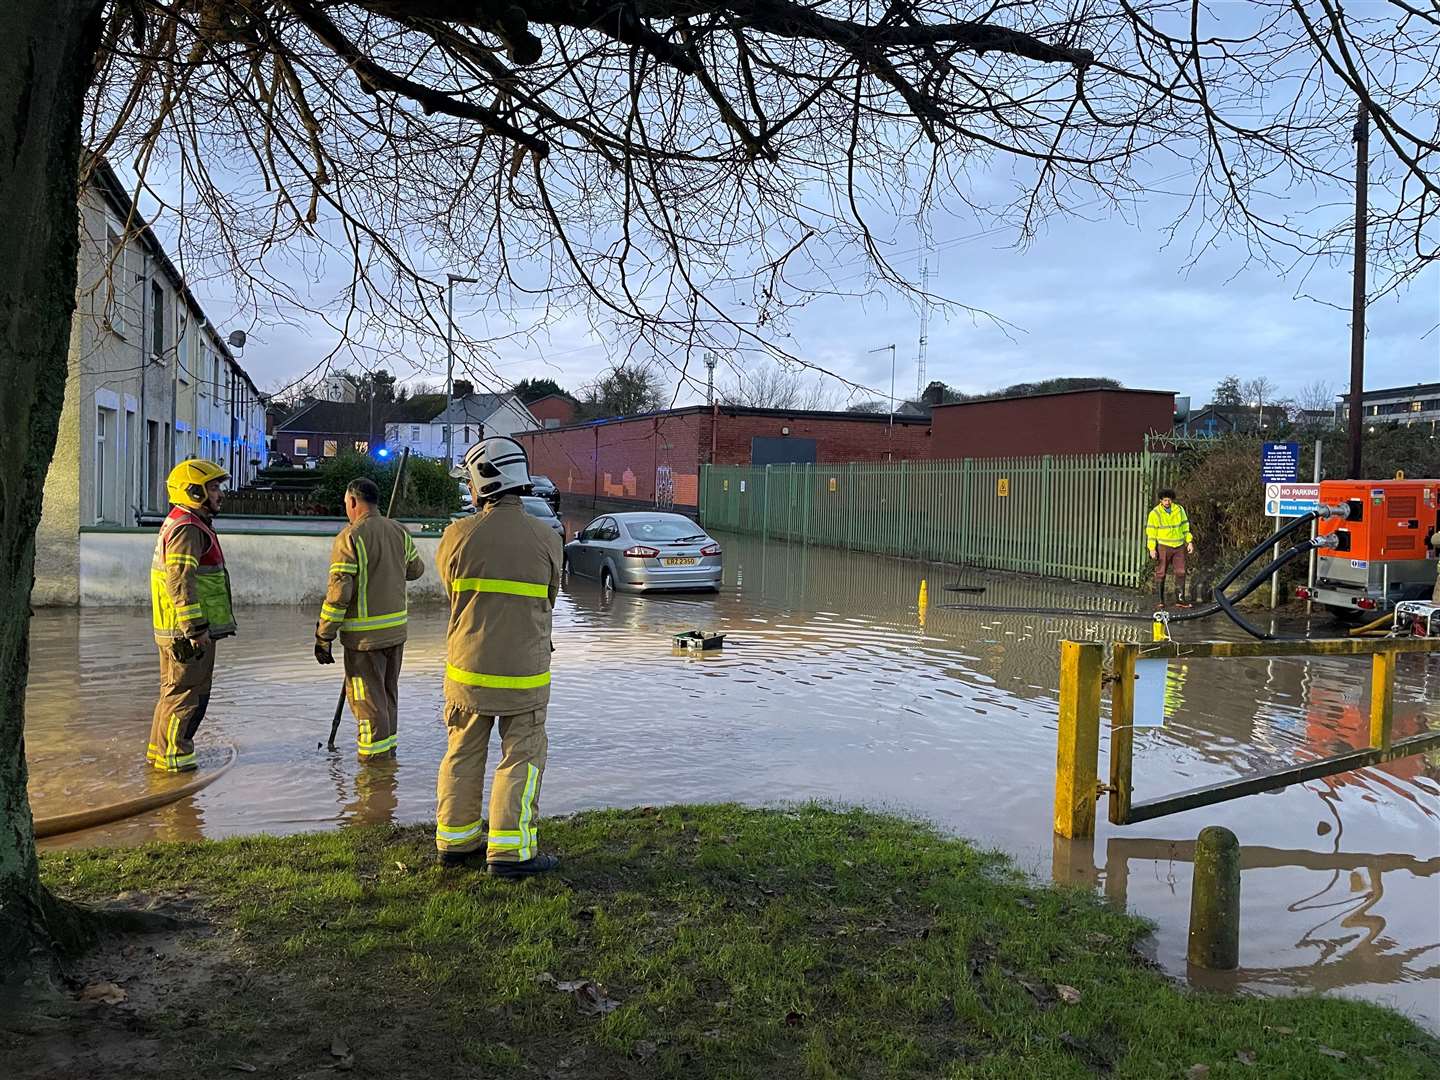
501 570
190 609
370 562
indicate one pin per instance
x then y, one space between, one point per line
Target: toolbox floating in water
698 641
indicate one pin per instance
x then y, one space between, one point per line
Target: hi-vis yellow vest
189 585
1169 528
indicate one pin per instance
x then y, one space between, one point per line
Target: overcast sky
1086 297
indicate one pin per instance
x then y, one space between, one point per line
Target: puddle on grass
828 687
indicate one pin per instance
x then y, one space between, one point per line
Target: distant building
553 410
655 458
1216 420
470 417
1418 404
323 429
340 386
150 383
1092 421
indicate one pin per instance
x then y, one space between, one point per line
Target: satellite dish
236 339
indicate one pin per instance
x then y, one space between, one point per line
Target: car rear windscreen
663 529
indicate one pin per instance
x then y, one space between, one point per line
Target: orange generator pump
1382 552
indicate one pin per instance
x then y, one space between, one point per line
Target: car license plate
680 562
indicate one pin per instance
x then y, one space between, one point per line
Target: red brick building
628 458
1070 422
553 410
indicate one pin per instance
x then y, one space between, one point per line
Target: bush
1219 484
428 490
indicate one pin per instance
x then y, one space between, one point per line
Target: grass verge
692 941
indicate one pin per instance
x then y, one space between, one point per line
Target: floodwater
829 686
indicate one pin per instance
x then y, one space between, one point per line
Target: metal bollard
1215 901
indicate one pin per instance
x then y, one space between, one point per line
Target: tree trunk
46 56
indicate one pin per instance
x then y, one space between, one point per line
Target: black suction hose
1221 602
1227 603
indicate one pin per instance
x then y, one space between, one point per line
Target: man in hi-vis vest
190 608
501 570
1168 538
365 604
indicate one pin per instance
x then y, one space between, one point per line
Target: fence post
1077 757
1382 698
702 496
765 510
1122 730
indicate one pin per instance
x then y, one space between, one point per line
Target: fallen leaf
645 1049
1197 1072
105 993
545 977
243 1066
569 986
1041 994
1338 1055
1245 1057
591 999
794 1019
1068 994
402 867
338 1048
1280 1030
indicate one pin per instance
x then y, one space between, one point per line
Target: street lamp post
450 280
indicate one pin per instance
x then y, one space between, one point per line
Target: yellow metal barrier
1082 678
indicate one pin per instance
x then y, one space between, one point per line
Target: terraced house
150 382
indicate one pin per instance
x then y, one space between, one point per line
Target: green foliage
427 490
529 390
627 390
1058 386
702 942
1227 392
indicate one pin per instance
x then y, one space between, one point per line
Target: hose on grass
59 824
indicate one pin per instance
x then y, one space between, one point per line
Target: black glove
323 655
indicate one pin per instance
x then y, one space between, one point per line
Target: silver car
538 507
645 551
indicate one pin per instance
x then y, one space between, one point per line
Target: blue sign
1279 463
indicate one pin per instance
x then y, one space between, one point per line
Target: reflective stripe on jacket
1168 527
501 569
370 562
189 585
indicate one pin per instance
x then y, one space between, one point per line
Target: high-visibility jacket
189 585
1169 528
501 569
370 562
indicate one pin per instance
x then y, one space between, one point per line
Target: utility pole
921 354
882 348
1357 302
450 280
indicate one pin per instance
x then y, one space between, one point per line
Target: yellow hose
1371 627
104 815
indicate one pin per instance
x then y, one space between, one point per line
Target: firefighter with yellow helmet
191 609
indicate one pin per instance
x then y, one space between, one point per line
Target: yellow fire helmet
186 482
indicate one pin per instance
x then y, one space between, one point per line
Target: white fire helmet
497 465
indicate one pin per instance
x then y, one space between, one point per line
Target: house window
362 446
104 431
1415 406
157 318
415 433
332 446
116 286
302 447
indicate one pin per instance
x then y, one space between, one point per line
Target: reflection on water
830 685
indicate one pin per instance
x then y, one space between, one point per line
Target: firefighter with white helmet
501 569
190 608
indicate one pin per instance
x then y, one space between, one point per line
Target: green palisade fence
1078 516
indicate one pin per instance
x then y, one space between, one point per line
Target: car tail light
1366 603
639 551
1303 593
711 549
